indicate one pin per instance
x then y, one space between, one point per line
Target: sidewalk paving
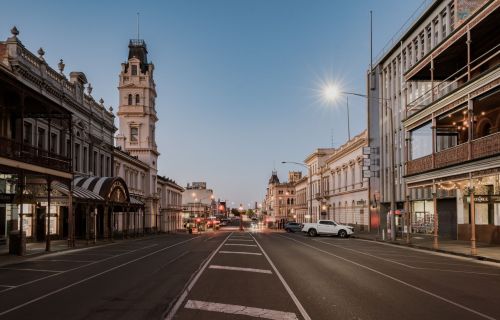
485 252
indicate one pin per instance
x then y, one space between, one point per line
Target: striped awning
78 192
111 189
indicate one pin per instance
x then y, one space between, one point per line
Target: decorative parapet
36 73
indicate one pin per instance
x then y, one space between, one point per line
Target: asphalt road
245 275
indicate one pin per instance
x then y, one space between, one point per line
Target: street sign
366 151
366 162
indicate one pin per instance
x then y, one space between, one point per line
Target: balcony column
71 220
48 136
469 41
433 142
127 220
408 217
435 243
87 224
47 237
432 79
470 131
473 249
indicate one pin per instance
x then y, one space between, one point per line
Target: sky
238 81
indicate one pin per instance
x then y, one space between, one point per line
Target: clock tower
137 115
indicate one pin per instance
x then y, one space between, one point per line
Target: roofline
405 34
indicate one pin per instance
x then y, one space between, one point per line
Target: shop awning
78 192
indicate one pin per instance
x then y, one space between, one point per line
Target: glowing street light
331 93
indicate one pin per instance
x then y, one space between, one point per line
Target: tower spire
138 25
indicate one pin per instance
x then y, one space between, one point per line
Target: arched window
137 99
129 99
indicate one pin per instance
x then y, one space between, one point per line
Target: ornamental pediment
129 85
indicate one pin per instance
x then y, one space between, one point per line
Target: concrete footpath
485 252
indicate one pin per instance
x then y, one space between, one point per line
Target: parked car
328 227
293 226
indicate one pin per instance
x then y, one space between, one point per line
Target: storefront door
447 218
40 223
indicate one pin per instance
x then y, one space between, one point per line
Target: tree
235 212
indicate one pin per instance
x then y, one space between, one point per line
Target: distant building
345 192
198 201
316 161
279 202
171 217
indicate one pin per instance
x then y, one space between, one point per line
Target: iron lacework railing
26 153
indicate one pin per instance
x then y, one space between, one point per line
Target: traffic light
222 207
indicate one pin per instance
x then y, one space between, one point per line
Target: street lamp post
240 209
330 93
310 184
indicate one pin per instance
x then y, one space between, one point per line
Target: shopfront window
421 141
423 217
452 129
486 201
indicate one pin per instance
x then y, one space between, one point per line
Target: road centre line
29 269
396 280
91 277
287 287
240 244
407 265
235 309
240 269
241 252
172 311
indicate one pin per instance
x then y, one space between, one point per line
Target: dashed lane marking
241 252
240 269
59 260
240 240
236 309
28 269
299 306
173 310
240 244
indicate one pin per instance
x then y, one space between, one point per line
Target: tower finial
138 25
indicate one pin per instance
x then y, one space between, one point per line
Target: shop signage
486 199
6 197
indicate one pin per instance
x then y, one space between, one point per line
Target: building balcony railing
29 154
480 148
460 78
486 146
451 156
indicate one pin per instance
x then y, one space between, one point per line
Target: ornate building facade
57 152
137 124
